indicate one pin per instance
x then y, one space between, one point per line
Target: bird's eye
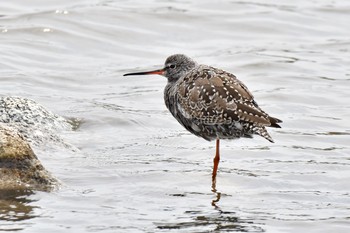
172 66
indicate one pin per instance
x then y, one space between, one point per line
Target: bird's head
174 68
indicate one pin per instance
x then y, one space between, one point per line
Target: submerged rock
19 166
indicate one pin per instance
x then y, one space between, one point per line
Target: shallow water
137 169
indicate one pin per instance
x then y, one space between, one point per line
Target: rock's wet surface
19 166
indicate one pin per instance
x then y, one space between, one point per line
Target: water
135 168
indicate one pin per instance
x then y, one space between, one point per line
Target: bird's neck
169 95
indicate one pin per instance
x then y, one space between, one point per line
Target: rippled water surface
135 168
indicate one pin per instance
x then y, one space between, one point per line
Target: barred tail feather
263 133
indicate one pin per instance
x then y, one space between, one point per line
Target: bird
211 103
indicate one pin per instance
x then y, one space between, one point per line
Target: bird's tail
274 122
263 133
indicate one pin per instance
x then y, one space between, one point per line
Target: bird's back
212 103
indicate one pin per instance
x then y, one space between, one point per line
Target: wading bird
211 103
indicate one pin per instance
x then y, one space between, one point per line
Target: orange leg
216 159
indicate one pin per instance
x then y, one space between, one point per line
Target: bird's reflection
15 205
215 201
206 220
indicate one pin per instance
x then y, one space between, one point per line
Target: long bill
160 72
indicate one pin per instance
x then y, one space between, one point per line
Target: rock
19 166
36 124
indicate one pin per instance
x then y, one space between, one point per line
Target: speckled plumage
214 104
211 103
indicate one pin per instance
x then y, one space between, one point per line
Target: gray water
135 169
